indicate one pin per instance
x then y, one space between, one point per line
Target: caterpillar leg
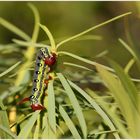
23 101
37 107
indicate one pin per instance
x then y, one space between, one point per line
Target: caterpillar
44 61
38 77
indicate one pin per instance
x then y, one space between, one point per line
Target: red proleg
46 81
50 60
23 101
37 107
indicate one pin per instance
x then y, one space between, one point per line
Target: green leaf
29 54
8 133
37 128
50 37
129 65
131 51
114 117
85 60
4 122
101 112
51 106
76 65
12 90
123 100
88 37
69 123
90 29
21 119
25 131
127 83
128 48
47 133
101 54
14 29
75 103
28 44
37 21
10 69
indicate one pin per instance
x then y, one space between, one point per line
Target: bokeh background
65 19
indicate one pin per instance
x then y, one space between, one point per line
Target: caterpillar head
49 58
44 53
50 61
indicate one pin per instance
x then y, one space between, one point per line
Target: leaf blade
24 133
75 104
4 122
14 29
69 123
8 132
10 69
51 106
127 83
85 60
46 30
119 93
90 29
96 106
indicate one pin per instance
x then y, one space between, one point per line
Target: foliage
72 111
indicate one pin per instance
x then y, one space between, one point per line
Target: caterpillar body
44 61
38 78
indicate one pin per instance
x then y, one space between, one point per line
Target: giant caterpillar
44 61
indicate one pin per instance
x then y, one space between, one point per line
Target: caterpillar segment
41 69
44 61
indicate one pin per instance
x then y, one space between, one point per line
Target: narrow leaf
27 44
88 37
122 98
37 128
127 83
37 21
97 108
14 29
114 117
47 130
127 48
69 123
8 132
92 28
75 103
29 54
25 131
50 37
85 60
76 65
51 106
129 65
4 121
10 69
45 133
131 51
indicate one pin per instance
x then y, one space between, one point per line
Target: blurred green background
65 19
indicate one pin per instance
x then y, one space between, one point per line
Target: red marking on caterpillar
33 106
37 107
50 61
46 81
23 101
